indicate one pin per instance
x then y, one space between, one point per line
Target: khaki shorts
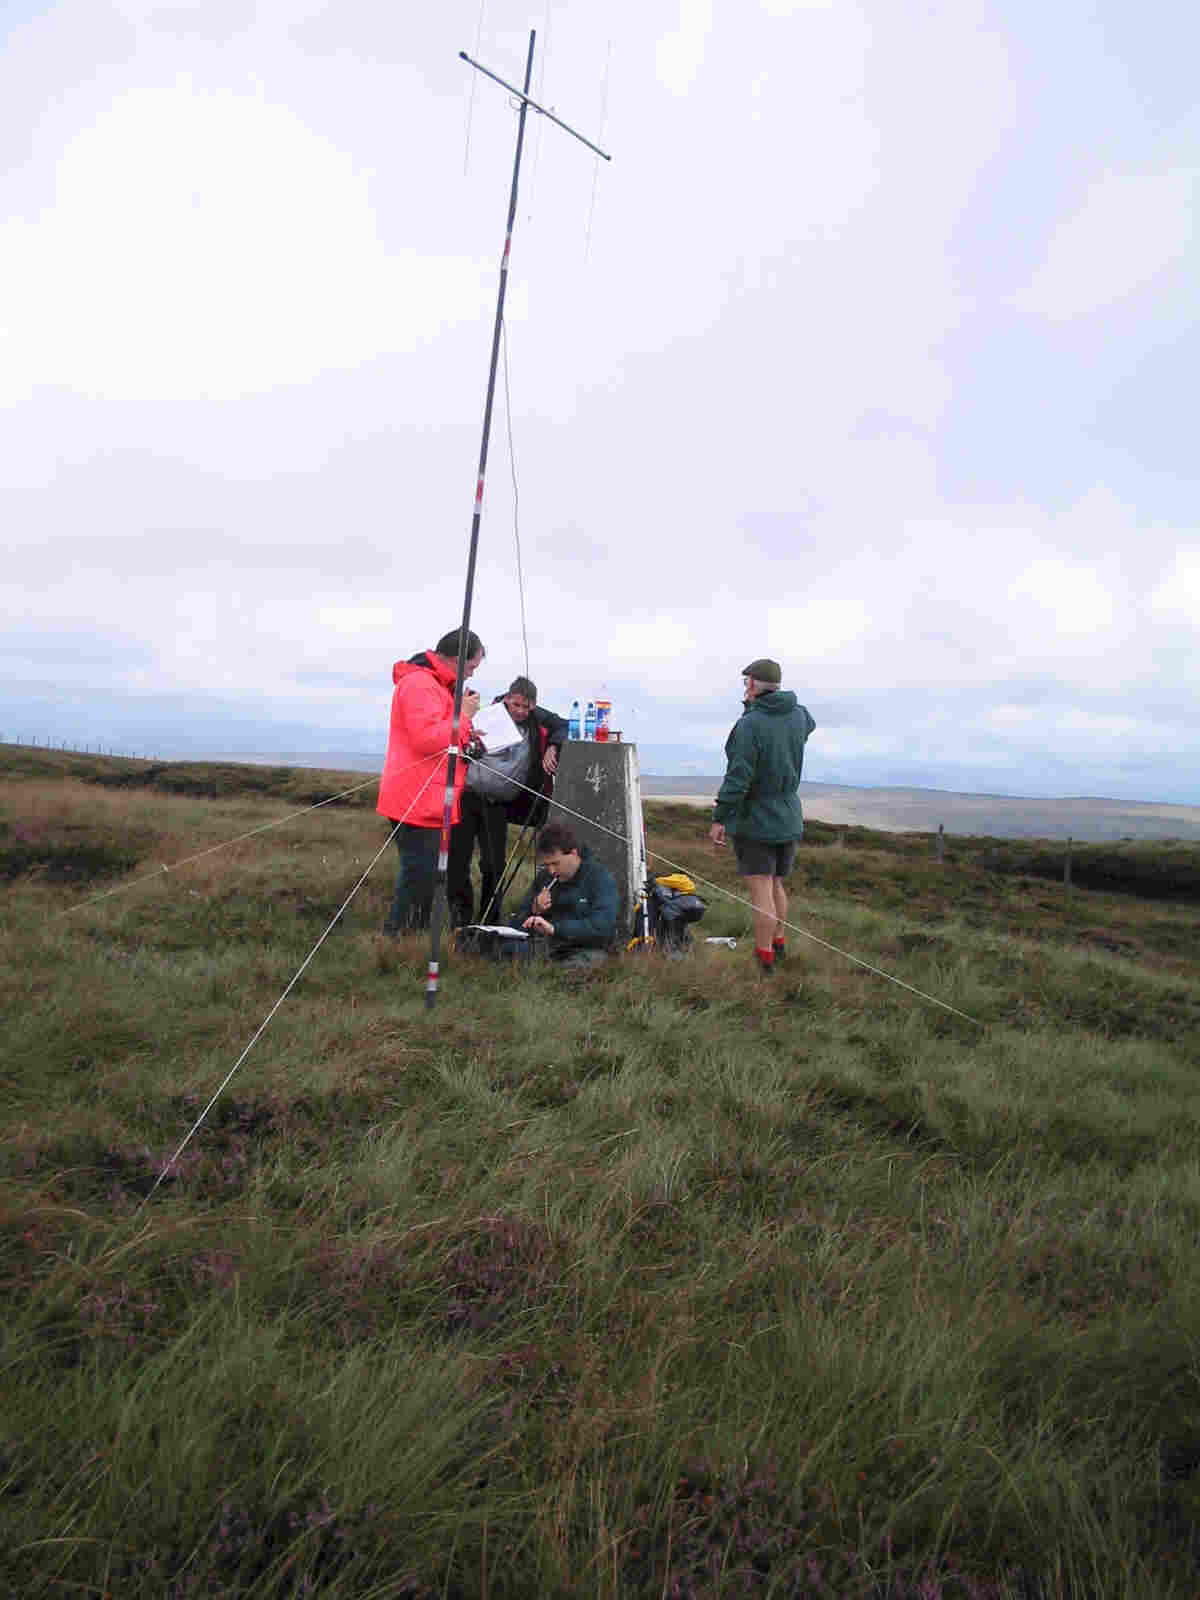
757 859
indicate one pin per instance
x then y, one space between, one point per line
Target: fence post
940 843
1067 868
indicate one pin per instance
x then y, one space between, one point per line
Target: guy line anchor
440 905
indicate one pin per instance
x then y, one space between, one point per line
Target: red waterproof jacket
422 711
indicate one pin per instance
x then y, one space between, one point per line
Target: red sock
766 957
778 944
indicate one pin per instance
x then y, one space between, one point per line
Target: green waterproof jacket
583 912
764 755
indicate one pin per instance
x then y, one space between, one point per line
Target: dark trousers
485 821
573 957
412 902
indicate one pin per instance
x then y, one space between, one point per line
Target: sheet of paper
495 727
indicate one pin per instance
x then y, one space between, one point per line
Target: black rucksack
671 909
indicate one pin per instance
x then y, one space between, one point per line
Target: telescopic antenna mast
439 897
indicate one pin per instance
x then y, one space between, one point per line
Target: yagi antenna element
541 110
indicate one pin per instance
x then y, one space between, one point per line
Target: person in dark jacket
494 797
758 805
573 901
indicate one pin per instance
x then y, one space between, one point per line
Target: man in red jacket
412 790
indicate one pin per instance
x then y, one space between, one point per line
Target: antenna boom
541 110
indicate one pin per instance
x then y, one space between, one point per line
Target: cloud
34 651
355 619
1177 597
200 240
1127 232
680 55
216 19
1071 598
359 683
830 624
775 401
651 639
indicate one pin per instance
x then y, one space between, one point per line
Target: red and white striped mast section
439 898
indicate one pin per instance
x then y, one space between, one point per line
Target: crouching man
572 904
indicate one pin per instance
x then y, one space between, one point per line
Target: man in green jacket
572 903
758 806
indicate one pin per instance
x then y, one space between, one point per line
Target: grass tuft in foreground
669 1283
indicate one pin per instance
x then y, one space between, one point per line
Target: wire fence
32 742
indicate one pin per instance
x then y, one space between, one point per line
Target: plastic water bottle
589 720
573 721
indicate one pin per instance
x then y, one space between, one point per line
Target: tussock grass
672 1281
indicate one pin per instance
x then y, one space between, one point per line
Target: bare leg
781 905
762 898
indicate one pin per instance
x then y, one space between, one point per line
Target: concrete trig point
601 783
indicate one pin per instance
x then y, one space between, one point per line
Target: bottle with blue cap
573 721
589 720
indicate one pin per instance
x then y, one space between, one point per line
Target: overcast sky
874 350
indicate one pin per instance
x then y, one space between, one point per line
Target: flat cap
765 670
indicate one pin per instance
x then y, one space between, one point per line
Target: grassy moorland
671 1283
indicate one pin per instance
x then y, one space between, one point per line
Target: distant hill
1084 818
997 816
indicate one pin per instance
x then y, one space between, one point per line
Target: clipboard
493 726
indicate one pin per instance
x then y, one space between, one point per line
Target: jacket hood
425 661
778 703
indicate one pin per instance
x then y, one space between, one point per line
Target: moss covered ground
670 1282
